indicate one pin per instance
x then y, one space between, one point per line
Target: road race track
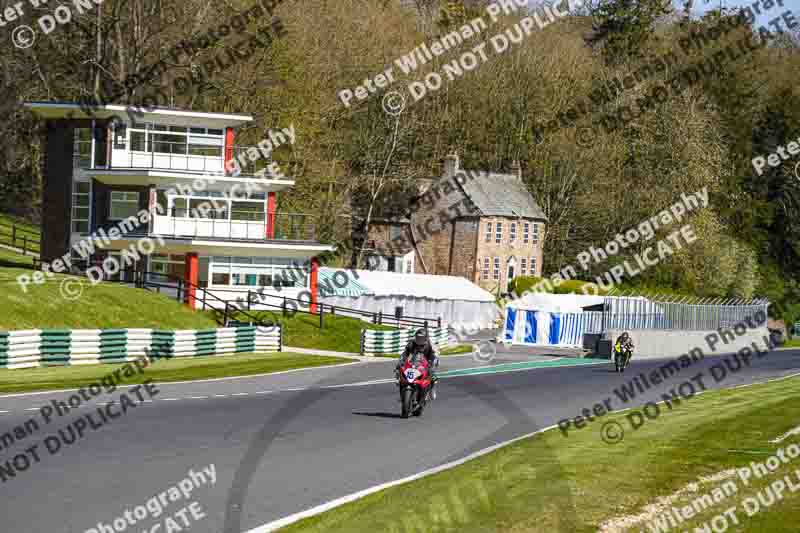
281 444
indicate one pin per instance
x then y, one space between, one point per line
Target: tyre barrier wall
393 342
62 347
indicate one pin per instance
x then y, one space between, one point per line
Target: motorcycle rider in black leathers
421 344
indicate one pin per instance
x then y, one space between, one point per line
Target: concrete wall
664 343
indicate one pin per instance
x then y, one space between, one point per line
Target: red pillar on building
271 202
190 276
228 147
313 284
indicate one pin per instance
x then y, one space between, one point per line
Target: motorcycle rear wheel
405 396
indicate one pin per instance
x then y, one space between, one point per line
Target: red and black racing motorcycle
414 382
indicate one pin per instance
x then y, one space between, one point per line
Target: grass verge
457 349
339 333
162 371
578 483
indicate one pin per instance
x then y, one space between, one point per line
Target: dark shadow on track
378 415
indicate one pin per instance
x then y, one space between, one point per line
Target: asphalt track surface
284 443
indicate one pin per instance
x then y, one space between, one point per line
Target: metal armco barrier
393 342
673 313
34 348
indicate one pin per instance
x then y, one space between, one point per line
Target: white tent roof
567 303
559 303
378 283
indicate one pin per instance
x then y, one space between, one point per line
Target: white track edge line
39 393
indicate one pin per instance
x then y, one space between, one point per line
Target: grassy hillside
104 305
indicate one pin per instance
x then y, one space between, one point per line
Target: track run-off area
284 443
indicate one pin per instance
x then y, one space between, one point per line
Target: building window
253 211
485 268
81 207
533 266
175 140
535 234
523 266
123 204
255 272
512 234
488 232
498 233
496 268
120 137
82 148
526 233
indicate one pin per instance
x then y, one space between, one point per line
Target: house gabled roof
500 195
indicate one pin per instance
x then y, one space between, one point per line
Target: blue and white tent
547 319
531 327
560 320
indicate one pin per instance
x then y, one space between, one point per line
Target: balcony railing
287 226
174 156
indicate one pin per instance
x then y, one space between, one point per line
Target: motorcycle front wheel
421 403
405 396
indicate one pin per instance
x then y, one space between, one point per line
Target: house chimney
516 169
451 165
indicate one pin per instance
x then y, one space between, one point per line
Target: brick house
483 226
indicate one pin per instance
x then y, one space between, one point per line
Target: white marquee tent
459 302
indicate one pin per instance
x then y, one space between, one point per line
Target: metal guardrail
629 312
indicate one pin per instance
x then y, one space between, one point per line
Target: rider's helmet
624 336
421 338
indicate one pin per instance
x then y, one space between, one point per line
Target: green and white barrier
393 342
33 348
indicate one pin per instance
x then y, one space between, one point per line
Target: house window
485 268
496 268
80 207
488 232
535 234
498 233
123 204
523 266
512 235
526 233
533 266
395 232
